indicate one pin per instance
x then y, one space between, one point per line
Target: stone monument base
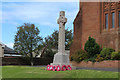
61 59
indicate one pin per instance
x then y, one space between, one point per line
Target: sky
43 14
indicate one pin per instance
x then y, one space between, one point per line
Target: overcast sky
43 14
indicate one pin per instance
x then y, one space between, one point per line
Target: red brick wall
86 23
90 21
77 34
119 40
103 64
109 38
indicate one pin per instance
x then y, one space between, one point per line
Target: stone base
61 59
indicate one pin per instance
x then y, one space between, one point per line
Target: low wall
25 61
103 64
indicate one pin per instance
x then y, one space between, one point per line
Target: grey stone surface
1 50
61 59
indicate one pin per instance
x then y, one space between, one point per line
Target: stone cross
61 58
61 42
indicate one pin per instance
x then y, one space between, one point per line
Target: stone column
61 58
61 21
1 51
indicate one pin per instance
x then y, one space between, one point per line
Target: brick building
100 20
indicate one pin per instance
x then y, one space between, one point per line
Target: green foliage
99 58
71 58
52 40
27 41
92 59
49 53
92 47
115 55
68 39
79 56
106 53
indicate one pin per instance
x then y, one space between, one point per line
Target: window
106 21
113 20
119 18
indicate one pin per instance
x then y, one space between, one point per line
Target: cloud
0 12
40 0
32 12
10 45
71 15
48 24
41 13
0 21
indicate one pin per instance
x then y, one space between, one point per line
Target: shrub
99 58
115 55
71 58
79 56
92 59
49 53
106 53
92 47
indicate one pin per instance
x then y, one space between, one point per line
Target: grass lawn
40 72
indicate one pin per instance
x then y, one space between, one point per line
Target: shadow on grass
60 79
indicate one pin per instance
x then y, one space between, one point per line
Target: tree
52 40
51 43
49 53
27 41
92 47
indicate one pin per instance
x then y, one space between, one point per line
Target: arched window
113 19
106 21
119 18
